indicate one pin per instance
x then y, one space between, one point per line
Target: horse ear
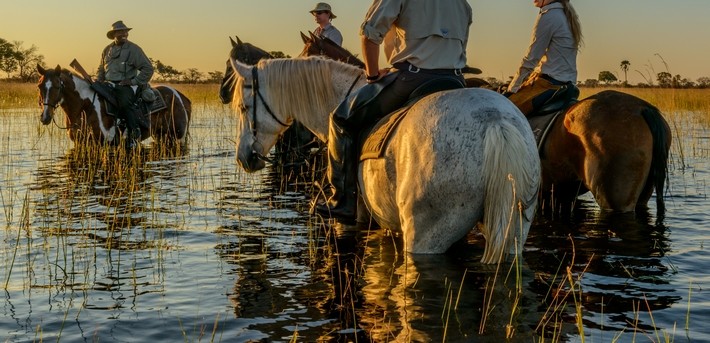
58 69
304 37
242 69
238 40
234 44
313 35
40 70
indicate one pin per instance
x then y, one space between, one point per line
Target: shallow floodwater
181 245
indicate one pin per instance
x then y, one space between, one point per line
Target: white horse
457 158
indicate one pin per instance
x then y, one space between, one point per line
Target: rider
424 40
324 16
551 60
126 67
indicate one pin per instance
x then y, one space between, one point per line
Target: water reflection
104 218
296 276
620 260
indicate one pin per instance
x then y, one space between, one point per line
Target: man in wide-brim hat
117 26
128 69
323 15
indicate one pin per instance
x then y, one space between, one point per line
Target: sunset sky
194 34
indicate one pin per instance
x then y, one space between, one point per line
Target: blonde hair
573 21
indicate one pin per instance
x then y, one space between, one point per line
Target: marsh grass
18 95
565 291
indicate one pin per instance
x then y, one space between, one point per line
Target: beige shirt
429 34
552 50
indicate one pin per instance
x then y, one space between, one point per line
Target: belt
551 79
411 68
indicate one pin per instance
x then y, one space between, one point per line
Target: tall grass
18 95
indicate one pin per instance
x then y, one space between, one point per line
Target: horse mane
300 87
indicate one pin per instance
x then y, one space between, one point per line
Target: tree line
18 63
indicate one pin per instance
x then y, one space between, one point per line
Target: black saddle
563 98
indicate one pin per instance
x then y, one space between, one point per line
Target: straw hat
117 26
322 6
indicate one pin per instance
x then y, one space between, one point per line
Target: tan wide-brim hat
322 6
117 26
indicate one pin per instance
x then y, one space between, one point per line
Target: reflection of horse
457 156
87 119
620 262
295 144
612 144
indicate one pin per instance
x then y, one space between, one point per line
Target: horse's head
242 52
258 127
323 46
51 91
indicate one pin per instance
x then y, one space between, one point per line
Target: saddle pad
158 104
540 126
376 141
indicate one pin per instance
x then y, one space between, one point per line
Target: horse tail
661 144
511 186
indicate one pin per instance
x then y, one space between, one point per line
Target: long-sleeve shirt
426 33
552 51
330 32
126 61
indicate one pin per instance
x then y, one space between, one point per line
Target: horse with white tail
457 158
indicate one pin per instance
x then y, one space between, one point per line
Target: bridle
46 98
59 102
256 93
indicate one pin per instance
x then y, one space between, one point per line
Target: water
184 246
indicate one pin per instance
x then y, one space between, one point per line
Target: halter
256 93
61 90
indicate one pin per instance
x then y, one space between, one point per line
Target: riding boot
133 131
342 175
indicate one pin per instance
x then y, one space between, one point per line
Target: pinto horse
612 144
87 119
457 158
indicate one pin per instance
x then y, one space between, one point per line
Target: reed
18 95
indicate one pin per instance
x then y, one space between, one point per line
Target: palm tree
625 68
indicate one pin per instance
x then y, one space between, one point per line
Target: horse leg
618 186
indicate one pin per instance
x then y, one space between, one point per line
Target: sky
654 35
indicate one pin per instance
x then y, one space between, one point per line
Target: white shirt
552 50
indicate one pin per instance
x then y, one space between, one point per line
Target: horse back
174 120
610 144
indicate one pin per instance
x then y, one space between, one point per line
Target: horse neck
74 97
315 99
80 100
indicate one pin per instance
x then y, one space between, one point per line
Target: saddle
149 101
377 137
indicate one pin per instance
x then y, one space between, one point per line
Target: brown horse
612 144
322 46
245 53
87 120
